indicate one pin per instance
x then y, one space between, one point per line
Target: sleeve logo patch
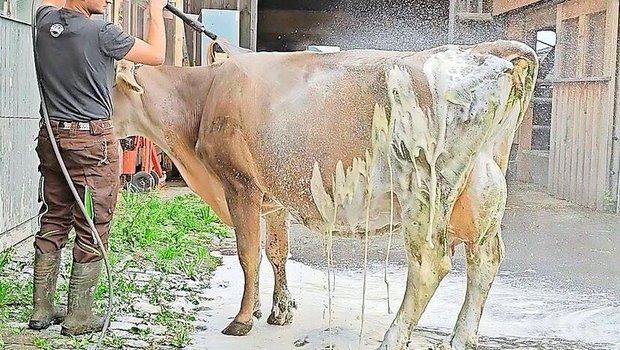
56 29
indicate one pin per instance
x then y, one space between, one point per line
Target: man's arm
153 50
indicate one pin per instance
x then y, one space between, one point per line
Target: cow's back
300 114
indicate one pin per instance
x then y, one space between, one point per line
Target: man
76 56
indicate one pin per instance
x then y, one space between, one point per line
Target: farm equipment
141 165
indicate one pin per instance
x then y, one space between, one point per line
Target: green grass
15 293
171 236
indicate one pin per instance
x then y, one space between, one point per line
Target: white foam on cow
470 111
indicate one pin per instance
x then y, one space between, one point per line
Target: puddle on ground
517 315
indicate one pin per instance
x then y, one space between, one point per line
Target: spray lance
86 204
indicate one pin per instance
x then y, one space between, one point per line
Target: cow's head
129 112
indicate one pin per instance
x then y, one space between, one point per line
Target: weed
177 324
42 343
181 337
5 258
114 341
610 202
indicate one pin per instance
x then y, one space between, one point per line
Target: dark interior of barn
292 25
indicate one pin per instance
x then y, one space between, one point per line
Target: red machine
150 173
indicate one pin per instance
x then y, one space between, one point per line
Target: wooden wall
584 96
502 6
19 127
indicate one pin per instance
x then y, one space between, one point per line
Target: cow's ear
125 76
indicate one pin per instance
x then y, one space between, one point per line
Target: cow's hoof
237 328
282 312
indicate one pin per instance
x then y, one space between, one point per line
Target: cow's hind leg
486 201
245 211
277 253
483 261
427 267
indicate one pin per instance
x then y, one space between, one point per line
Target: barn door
583 100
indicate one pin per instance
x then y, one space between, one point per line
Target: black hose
197 26
50 133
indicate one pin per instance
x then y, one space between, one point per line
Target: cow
354 143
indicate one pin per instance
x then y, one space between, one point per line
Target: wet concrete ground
559 287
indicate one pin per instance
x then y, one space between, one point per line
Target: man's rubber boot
44 312
80 318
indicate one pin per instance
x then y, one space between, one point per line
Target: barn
570 141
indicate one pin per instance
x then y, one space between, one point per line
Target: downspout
451 21
615 151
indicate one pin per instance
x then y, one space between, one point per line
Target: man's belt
74 125
83 126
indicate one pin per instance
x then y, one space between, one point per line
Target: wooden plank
248 20
553 145
613 20
576 8
502 6
525 144
558 137
580 80
562 142
475 17
598 149
581 191
592 144
607 98
570 145
559 49
587 146
553 142
603 156
116 9
179 37
565 166
220 4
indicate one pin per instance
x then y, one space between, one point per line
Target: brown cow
347 143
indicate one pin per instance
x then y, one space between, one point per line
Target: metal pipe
615 151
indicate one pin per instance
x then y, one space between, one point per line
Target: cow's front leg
277 253
483 262
426 268
245 211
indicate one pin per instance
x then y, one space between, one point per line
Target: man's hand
153 51
157 5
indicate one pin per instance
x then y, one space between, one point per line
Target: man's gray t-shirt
76 59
